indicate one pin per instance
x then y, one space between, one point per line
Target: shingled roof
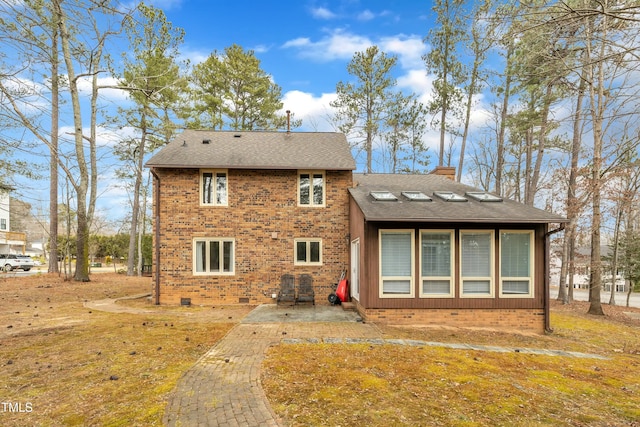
255 150
437 209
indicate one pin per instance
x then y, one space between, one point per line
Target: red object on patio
342 290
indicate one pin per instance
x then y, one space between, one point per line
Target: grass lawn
383 385
64 364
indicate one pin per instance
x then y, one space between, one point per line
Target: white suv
10 262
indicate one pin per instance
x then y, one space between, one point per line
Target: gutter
156 239
547 297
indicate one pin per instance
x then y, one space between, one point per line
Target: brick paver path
223 388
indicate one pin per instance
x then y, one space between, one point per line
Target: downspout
156 246
547 297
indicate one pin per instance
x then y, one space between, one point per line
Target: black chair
305 289
287 289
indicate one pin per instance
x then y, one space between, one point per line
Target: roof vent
206 141
237 135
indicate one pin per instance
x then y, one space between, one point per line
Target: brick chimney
448 171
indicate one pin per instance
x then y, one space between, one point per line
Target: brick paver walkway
223 388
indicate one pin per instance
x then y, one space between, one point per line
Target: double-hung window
213 256
311 188
516 262
308 252
396 263
476 263
213 188
436 263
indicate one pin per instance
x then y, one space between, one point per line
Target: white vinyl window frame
482 256
214 187
307 251
214 256
312 188
442 278
401 271
519 257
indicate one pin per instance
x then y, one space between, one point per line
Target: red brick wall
523 320
263 217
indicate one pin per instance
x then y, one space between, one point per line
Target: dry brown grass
354 385
65 364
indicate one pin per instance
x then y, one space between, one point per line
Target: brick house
234 211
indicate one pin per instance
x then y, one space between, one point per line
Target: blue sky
306 45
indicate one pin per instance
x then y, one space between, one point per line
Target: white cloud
342 45
105 137
418 82
322 13
336 45
108 85
409 49
315 112
194 56
366 15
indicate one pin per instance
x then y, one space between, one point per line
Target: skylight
483 196
449 196
416 196
383 196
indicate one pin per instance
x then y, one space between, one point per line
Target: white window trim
311 204
308 242
208 240
450 278
412 292
531 277
201 187
492 273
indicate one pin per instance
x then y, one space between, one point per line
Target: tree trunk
53 149
614 258
135 214
598 102
82 184
141 231
467 118
572 199
503 124
542 142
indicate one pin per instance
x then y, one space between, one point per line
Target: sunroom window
476 263
516 262
396 264
436 260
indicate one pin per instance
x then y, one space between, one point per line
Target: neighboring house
10 242
234 211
